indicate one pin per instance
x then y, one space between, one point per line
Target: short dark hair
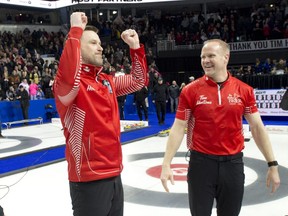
91 28
87 28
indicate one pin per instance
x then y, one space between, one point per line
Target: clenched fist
78 19
131 38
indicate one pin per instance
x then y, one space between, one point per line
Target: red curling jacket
87 105
214 114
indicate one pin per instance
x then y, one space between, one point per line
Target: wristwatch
272 163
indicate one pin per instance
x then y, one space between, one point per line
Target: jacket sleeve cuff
140 50
76 32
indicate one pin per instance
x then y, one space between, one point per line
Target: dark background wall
180 64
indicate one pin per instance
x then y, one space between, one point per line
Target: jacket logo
203 100
234 99
86 69
90 88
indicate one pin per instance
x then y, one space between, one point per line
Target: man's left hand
131 38
273 179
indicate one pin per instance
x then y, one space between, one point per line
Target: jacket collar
91 69
213 83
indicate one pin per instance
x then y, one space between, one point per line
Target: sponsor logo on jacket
90 88
203 100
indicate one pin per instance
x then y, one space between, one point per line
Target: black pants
161 110
215 177
25 109
1 211
97 198
121 110
141 105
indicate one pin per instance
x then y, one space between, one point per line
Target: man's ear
227 57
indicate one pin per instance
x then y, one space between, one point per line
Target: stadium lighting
46 4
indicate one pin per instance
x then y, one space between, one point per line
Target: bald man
212 108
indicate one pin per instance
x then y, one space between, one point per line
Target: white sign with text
268 102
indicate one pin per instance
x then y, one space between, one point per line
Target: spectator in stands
18 69
258 66
25 84
266 29
154 65
240 71
153 77
181 87
119 54
215 34
121 99
216 168
191 78
33 90
40 94
280 67
46 64
160 98
249 70
179 38
14 79
267 66
35 75
87 96
140 101
46 83
121 103
5 81
23 97
11 94
25 74
203 36
231 25
257 33
150 57
8 18
285 32
51 85
276 31
173 91
54 68
2 94
225 33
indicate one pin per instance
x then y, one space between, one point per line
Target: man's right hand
78 19
166 175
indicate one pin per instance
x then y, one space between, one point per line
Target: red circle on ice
179 171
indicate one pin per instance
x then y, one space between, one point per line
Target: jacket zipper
219 95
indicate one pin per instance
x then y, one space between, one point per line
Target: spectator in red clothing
179 38
266 30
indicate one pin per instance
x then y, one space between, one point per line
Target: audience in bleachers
20 53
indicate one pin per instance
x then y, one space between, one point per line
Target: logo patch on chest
234 99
